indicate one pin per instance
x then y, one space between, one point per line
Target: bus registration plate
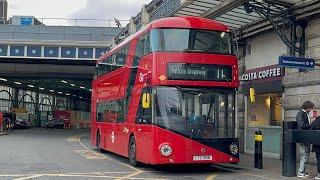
202 158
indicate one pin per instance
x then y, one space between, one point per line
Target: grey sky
77 9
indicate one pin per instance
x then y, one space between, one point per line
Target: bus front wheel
132 152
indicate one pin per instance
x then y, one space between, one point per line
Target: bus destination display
200 72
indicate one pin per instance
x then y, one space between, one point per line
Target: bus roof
187 22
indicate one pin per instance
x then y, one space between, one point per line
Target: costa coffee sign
263 73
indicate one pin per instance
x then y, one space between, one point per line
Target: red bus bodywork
152 72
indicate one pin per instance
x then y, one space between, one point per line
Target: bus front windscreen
195 112
191 40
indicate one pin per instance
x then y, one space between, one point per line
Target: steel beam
223 8
184 3
301 12
280 3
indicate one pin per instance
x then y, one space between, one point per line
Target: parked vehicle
55 123
20 123
27 117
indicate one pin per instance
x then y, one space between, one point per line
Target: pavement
3 133
67 154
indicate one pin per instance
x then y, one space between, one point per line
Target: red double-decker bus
166 95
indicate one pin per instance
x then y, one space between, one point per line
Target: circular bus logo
234 149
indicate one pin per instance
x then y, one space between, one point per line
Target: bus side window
96 73
147 48
101 69
120 59
138 53
122 56
108 64
120 111
113 62
100 112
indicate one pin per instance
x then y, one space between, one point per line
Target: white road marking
73 138
137 171
29 177
85 147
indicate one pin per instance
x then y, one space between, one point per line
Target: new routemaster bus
166 95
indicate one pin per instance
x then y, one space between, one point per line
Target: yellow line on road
212 177
29 177
262 177
85 147
102 173
131 175
78 175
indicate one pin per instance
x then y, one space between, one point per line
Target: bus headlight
165 150
234 149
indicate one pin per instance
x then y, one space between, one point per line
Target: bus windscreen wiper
193 50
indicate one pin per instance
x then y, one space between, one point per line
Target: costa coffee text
268 73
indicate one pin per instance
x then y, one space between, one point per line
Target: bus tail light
166 150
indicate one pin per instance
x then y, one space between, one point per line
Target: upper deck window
112 62
191 40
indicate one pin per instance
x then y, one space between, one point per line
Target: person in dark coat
303 123
315 125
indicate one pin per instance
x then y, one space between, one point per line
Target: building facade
279 92
259 70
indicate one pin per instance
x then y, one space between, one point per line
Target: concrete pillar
145 16
37 109
132 26
16 98
241 101
54 103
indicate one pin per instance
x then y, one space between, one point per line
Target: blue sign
296 62
26 21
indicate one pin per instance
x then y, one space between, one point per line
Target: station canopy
76 88
233 13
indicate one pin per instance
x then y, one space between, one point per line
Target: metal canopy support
279 15
223 8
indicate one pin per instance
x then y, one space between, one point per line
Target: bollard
258 150
289 151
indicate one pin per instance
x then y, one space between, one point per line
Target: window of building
265 111
6 98
45 102
27 100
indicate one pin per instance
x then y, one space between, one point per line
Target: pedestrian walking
304 121
315 125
